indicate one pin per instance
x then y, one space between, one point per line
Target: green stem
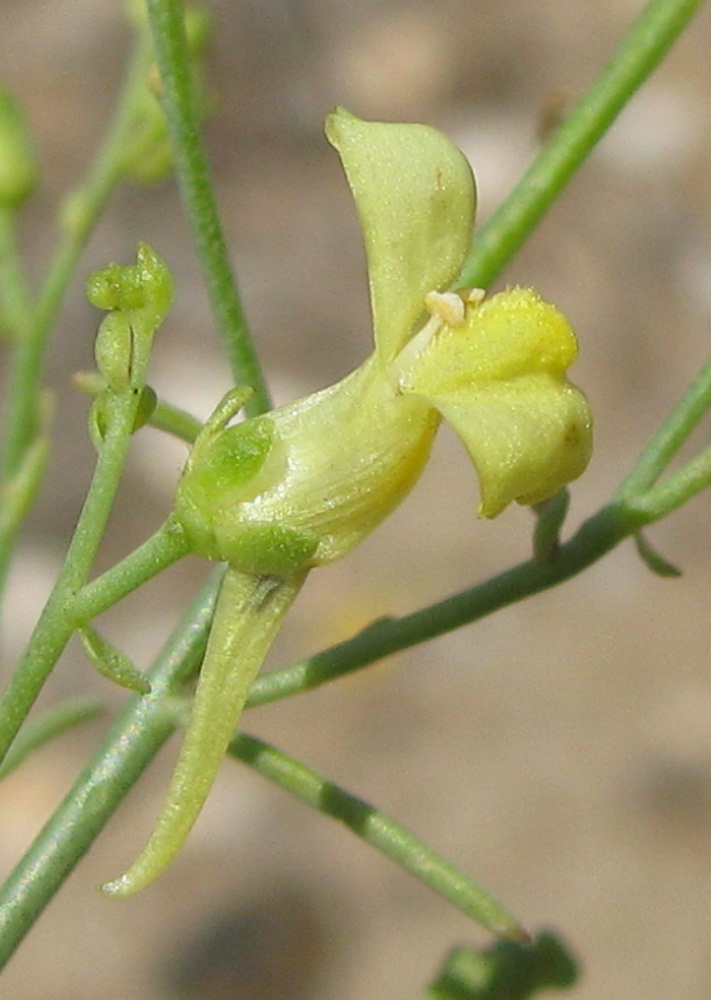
249 611
23 393
131 745
640 492
596 537
165 547
550 517
673 492
176 422
53 723
25 371
59 617
18 493
672 434
378 830
15 297
640 52
172 55
18 315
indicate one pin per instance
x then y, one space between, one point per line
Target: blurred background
560 752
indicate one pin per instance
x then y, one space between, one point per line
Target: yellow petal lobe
499 378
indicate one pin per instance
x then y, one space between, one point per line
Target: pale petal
511 334
415 196
499 378
527 438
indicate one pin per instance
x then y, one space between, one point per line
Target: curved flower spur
300 487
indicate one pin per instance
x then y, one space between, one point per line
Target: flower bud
143 289
137 297
113 350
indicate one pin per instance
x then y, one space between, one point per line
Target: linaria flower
301 486
304 484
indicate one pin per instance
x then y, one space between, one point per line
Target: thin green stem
15 297
673 492
53 723
172 55
25 371
386 636
130 746
17 315
672 434
58 619
379 831
550 517
639 53
165 547
176 422
18 493
23 407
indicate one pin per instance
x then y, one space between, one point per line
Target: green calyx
224 470
304 485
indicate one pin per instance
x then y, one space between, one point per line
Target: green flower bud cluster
137 298
141 293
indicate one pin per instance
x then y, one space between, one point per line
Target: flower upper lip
416 201
497 372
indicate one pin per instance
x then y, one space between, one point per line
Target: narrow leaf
656 562
380 831
111 663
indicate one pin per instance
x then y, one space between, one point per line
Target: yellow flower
498 377
303 485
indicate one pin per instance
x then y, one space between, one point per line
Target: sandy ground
560 751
